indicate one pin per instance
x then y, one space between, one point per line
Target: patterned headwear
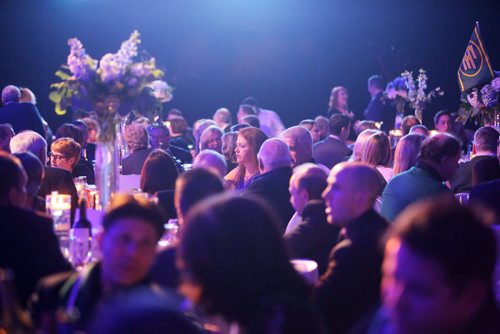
136 136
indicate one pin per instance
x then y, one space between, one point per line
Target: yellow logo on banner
473 60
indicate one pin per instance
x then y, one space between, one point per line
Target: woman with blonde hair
358 147
338 102
406 153
377 152
248 144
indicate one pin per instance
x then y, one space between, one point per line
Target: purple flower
496 84
489 96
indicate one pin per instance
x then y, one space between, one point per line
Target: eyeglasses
56 157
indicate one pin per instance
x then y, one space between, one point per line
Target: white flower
161 90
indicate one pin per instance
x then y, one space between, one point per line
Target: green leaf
58 110
62 75
55 97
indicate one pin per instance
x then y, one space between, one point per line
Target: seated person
34 171
65 153
211 160
128 245
136 137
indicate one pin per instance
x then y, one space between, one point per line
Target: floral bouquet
417 96
114 84
481 106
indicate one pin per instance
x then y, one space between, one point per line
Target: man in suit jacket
22 116
55 179
309 235
28 245
350 287
484 147
333 150
299 141
272 183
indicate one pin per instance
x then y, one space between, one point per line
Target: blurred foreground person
225 274
132 229
438 272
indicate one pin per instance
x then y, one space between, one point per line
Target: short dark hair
485 170
71 131
250 100
159 172
376 81
195 185
178 124
337 122
454 236
486 139
248 109
34 170
407 123
252 120
439 114
437 147
126 206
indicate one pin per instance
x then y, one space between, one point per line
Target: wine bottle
80 238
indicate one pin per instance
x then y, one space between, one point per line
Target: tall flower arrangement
417 95
107 85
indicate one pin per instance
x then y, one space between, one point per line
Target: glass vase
106 172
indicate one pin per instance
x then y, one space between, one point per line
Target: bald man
350 287
272 185
299 141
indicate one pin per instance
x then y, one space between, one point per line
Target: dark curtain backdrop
286 53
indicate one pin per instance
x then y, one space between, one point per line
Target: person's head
443 121
174 113
420 130
65 153
27 95
239 126
159 172
407 123
352 190
251 101
222 270
377 150
13 185
211 139
93 128
312 127
245 110
307 183
442 152
177 125
485 140
222 117
359 144
228 146
340 126
192 187
72 131
273 154
132 228
406 153
339 97
438 267
299 141
251 120
365 125
30 141
136 136
159 136
198 127
323 126
6 134
211 160
376 84
10 94
248 143
484 170
34 171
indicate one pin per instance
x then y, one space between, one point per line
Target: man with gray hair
55 179
299 141
22 116
272 185
223 119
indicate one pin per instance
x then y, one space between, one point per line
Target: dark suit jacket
132 164
488 195
330 152
164 271
314 238
60 180
29 247
351 285
373 111
462 180
166 203
22 116
272 187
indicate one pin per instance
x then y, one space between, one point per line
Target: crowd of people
403 226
